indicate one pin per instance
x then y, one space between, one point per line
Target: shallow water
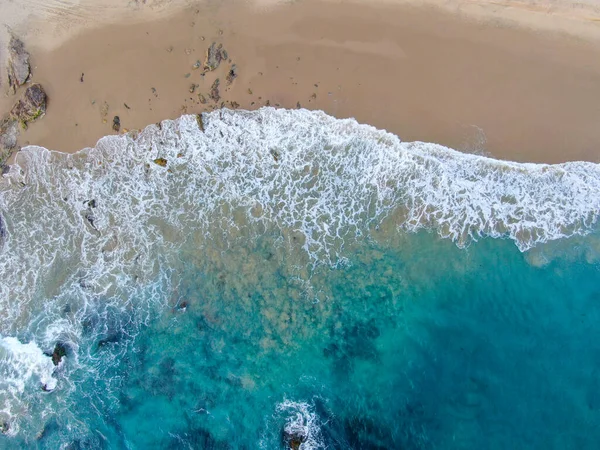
290 271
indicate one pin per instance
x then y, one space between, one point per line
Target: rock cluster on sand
31 106
232 74
214 55
18 64
214 91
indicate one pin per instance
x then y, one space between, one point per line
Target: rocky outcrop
214 95
9 131
18 64
293 440
59 352
31 106
214 55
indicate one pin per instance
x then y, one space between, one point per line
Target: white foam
327 179
302 422
24 370
330 181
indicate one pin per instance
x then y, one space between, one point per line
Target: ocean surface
283 279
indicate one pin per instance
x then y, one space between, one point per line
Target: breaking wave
88 240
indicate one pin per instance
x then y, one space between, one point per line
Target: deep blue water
236 338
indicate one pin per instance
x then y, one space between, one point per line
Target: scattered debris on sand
202 99
193 87
214 91
104 111
126 106
81 78
232 74
18 66
32 105
116 126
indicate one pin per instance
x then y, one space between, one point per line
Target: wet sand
421 72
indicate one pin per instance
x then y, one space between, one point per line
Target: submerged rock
2 232
293 440
18 64
9 131
32 105
161 162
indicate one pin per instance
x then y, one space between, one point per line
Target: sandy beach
516 81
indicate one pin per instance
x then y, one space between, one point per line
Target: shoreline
421 73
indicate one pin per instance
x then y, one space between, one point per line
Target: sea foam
110 213
95 230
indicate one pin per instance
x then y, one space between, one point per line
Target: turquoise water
289 274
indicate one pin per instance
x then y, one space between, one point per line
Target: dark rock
9 130
18 64
2 232
116 126
4 427
214 91
232 74
213 57
200 122
32 105
89 216
292 440
57 355
81 78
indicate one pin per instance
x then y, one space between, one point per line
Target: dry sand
464 75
